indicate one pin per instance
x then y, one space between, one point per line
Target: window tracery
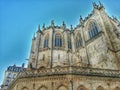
46 41
93 29
78 40
58 40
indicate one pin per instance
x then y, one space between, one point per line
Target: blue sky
19 20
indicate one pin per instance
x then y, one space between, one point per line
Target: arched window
58 40
46 40
25 88
93 29
81 87
69 42
43 88
100 88
78 40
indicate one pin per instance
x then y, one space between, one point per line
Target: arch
46 40
100 88
117 88
62 87
24 88
58 40
92 29
81 87
43 88
78 40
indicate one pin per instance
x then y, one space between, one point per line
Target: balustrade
71 70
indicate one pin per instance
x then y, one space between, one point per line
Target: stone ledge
71 70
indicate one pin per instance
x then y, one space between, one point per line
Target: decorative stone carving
61 68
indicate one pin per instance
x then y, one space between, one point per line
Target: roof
15 68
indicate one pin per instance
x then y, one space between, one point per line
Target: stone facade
86 57
10 74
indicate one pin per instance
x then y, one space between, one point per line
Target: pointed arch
117 88
62 87
81 87
46 40
78 40
58 40
43 88
100 88
24 88
92 29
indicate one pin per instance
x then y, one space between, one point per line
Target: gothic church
86 57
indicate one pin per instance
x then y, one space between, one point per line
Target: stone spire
115 19
38 28
101 5
81 21
64 25
98 6
52 23
71 27
95 5
43 27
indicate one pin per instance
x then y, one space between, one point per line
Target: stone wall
67 82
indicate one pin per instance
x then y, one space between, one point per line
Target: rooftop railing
70 71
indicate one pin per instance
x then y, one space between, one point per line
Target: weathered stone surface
92 62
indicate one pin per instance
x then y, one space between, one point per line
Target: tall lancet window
58 40
46 41
93 29
78 40
69 42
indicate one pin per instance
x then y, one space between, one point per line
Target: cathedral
86 57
